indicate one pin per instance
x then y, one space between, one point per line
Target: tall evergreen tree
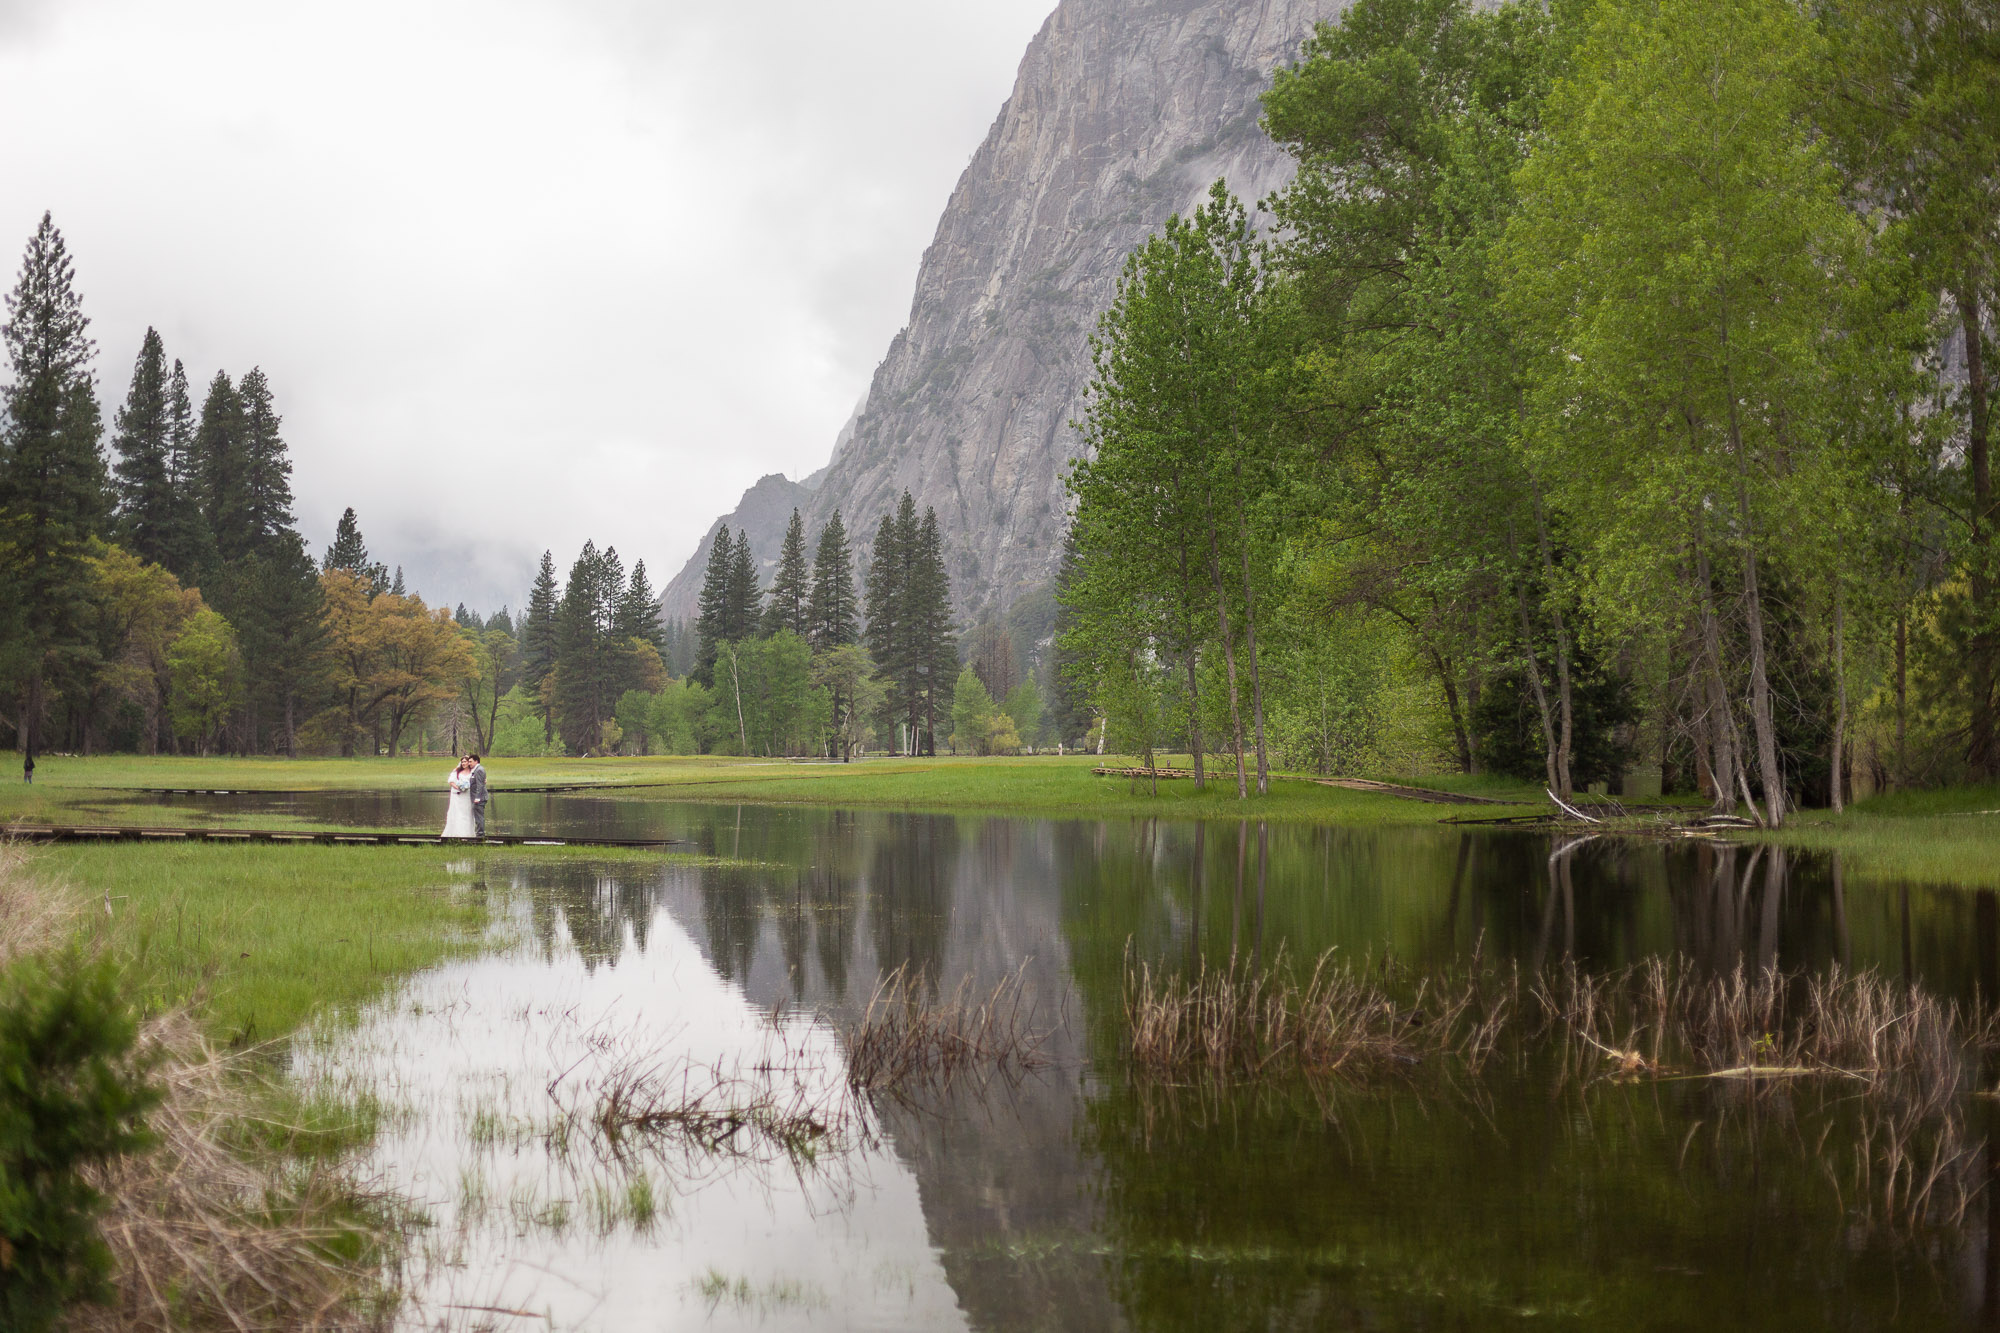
397 586
218 452
349 551
52 473
538 643
187 541
147 504
932 653
832 609
711 622
791 586
639 611
744 595
884 635
267 466
592 661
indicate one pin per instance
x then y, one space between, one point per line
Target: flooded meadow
639 1106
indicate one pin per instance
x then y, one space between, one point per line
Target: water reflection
1078 1200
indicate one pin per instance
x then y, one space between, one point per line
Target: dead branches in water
1244 1022
910 1036
1661 1015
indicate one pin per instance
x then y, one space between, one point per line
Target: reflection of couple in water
465 816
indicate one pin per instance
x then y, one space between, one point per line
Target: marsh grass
911 1038
1242 1021
256 939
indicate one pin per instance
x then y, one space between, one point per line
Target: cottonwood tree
1703 272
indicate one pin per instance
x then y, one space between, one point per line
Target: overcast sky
521 272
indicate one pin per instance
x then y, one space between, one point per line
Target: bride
458 821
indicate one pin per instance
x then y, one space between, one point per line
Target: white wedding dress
458 821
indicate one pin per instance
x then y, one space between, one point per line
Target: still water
1078 1198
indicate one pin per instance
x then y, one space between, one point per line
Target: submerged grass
911 1037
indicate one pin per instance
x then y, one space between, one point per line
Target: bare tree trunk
1250 632
1981 747
1902 696
1566 709
1721 719
1194 721
1460 737
1534 671
1761 717
1228 656
1840 696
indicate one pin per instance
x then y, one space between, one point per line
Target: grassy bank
1044 785
254 939
1948 836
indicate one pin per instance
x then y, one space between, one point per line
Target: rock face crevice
1123 113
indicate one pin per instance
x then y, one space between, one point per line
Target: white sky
522 272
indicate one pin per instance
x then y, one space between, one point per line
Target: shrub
71 1097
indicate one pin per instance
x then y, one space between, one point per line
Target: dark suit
479 800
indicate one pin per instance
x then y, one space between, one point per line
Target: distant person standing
479 797
28 767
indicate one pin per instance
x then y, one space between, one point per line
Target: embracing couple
465 816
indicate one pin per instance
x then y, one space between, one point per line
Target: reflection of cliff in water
961 901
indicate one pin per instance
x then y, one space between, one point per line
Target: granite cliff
1123 112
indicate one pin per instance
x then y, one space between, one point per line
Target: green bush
71 1096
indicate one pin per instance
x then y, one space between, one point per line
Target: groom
478 797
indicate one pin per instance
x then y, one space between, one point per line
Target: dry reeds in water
909 1036
1243 1022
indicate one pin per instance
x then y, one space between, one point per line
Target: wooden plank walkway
358 837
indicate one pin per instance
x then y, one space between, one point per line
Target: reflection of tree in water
596 906
909 885
732 903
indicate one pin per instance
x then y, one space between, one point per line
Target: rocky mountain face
1123 113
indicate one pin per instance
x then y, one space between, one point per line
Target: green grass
1042 785
1948 836
257 939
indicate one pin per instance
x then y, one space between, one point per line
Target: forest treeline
1608 394
158 597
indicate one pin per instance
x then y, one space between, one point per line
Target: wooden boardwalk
329 837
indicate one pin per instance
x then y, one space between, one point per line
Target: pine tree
711 622
146 500
218 452
592 662
639 612
397 586
187 541
538 643
744 620
53 482
267 467
791 587
932 648
349 551
831 610
887 635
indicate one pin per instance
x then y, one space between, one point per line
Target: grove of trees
1609 395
